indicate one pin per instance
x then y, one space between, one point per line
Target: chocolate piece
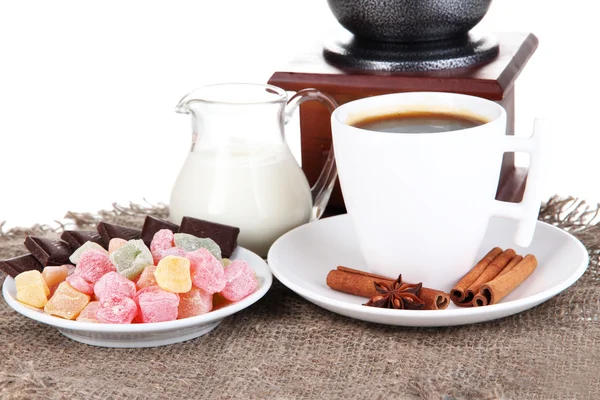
110 231
48 251
153 225
77 238
14 266
224 235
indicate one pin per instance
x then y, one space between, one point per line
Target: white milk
262 191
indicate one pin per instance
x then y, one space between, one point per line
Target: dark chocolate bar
110 231
77 238
153 225
48 251
7 268
14 266
224 235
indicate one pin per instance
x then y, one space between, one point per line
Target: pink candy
195 302
114 283
80 284
156 305
116 309
92 265
88 314
162 240
173 251
241 281
207 271
147 277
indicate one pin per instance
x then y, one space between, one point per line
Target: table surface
284 347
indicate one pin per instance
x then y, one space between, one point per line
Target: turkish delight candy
163 240
206 271
115 244
189 243
241 281
32 289
195 302
115 309
173 274
132 258
93 264
80 284
173 251
153 225
55 275
88 314
66 302
156 305
147 278
114 283
74 258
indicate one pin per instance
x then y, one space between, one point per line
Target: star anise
397 295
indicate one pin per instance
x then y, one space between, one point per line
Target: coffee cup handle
526 212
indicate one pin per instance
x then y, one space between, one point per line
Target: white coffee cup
420 203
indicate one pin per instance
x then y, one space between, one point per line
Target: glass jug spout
235 115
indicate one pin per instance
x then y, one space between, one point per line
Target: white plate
302 258
151 334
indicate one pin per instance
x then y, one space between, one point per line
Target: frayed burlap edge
568 213
126 215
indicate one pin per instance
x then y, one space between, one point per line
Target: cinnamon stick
364 273
513 262
492 270
458 291
479 300
495 290
361 283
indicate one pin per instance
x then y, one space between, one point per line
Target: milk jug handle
321 191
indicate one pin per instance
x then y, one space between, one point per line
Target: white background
87 89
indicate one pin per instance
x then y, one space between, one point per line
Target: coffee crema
419 122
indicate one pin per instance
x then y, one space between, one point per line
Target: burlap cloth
286 348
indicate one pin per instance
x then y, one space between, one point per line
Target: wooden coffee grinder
357 65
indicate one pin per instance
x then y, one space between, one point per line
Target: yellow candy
32 289
173 274
226 262
66 302
55 275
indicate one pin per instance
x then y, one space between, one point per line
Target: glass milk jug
240 170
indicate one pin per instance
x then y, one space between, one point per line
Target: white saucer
302 258
151 334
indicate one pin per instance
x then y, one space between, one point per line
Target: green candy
132 258
189 243
74 258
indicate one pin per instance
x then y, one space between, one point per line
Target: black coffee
419 122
